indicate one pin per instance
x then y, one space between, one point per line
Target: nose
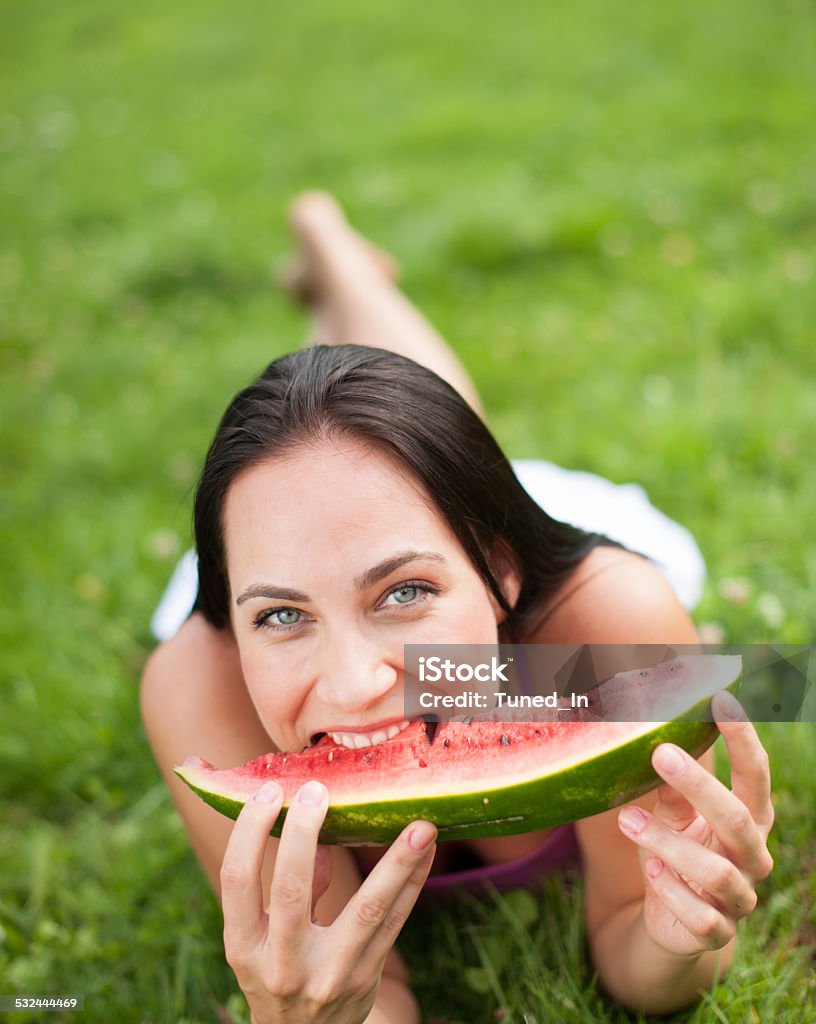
356 671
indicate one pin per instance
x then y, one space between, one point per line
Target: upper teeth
367 739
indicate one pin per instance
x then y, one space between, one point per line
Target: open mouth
358 740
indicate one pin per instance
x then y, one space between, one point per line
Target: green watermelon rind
572 791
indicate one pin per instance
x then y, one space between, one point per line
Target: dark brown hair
406 411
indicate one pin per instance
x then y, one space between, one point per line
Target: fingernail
654 865
632 819
268 793
421 836
727 706
671 760
312 794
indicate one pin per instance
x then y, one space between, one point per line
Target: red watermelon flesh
485 777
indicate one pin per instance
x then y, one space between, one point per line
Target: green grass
607 209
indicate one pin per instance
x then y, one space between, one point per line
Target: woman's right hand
289 967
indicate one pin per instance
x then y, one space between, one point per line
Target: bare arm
632 968
662 900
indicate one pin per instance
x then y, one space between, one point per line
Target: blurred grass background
610 212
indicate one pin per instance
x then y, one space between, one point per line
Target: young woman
353 501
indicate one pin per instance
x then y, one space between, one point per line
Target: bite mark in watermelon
491 778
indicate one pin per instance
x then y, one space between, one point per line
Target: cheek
273 686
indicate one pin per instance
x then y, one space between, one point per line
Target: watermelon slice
489 778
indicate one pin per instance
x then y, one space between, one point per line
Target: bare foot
323 235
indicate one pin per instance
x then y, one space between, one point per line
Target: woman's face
336 558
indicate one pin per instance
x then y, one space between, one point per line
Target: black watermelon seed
505 740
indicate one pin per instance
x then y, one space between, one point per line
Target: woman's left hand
704 847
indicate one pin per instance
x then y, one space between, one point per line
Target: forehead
324 505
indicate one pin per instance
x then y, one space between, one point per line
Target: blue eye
414 594
288 616
278 618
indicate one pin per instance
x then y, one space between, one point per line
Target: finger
371 950
290 897
709 927
372 919
750 767
322 874
712 872
727 815
673 808
241 887
376 953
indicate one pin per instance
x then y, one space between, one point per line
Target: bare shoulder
616 596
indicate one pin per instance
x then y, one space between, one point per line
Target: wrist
396 1004
645 976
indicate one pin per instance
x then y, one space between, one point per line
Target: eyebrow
361 582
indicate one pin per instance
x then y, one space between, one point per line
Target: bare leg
353 296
